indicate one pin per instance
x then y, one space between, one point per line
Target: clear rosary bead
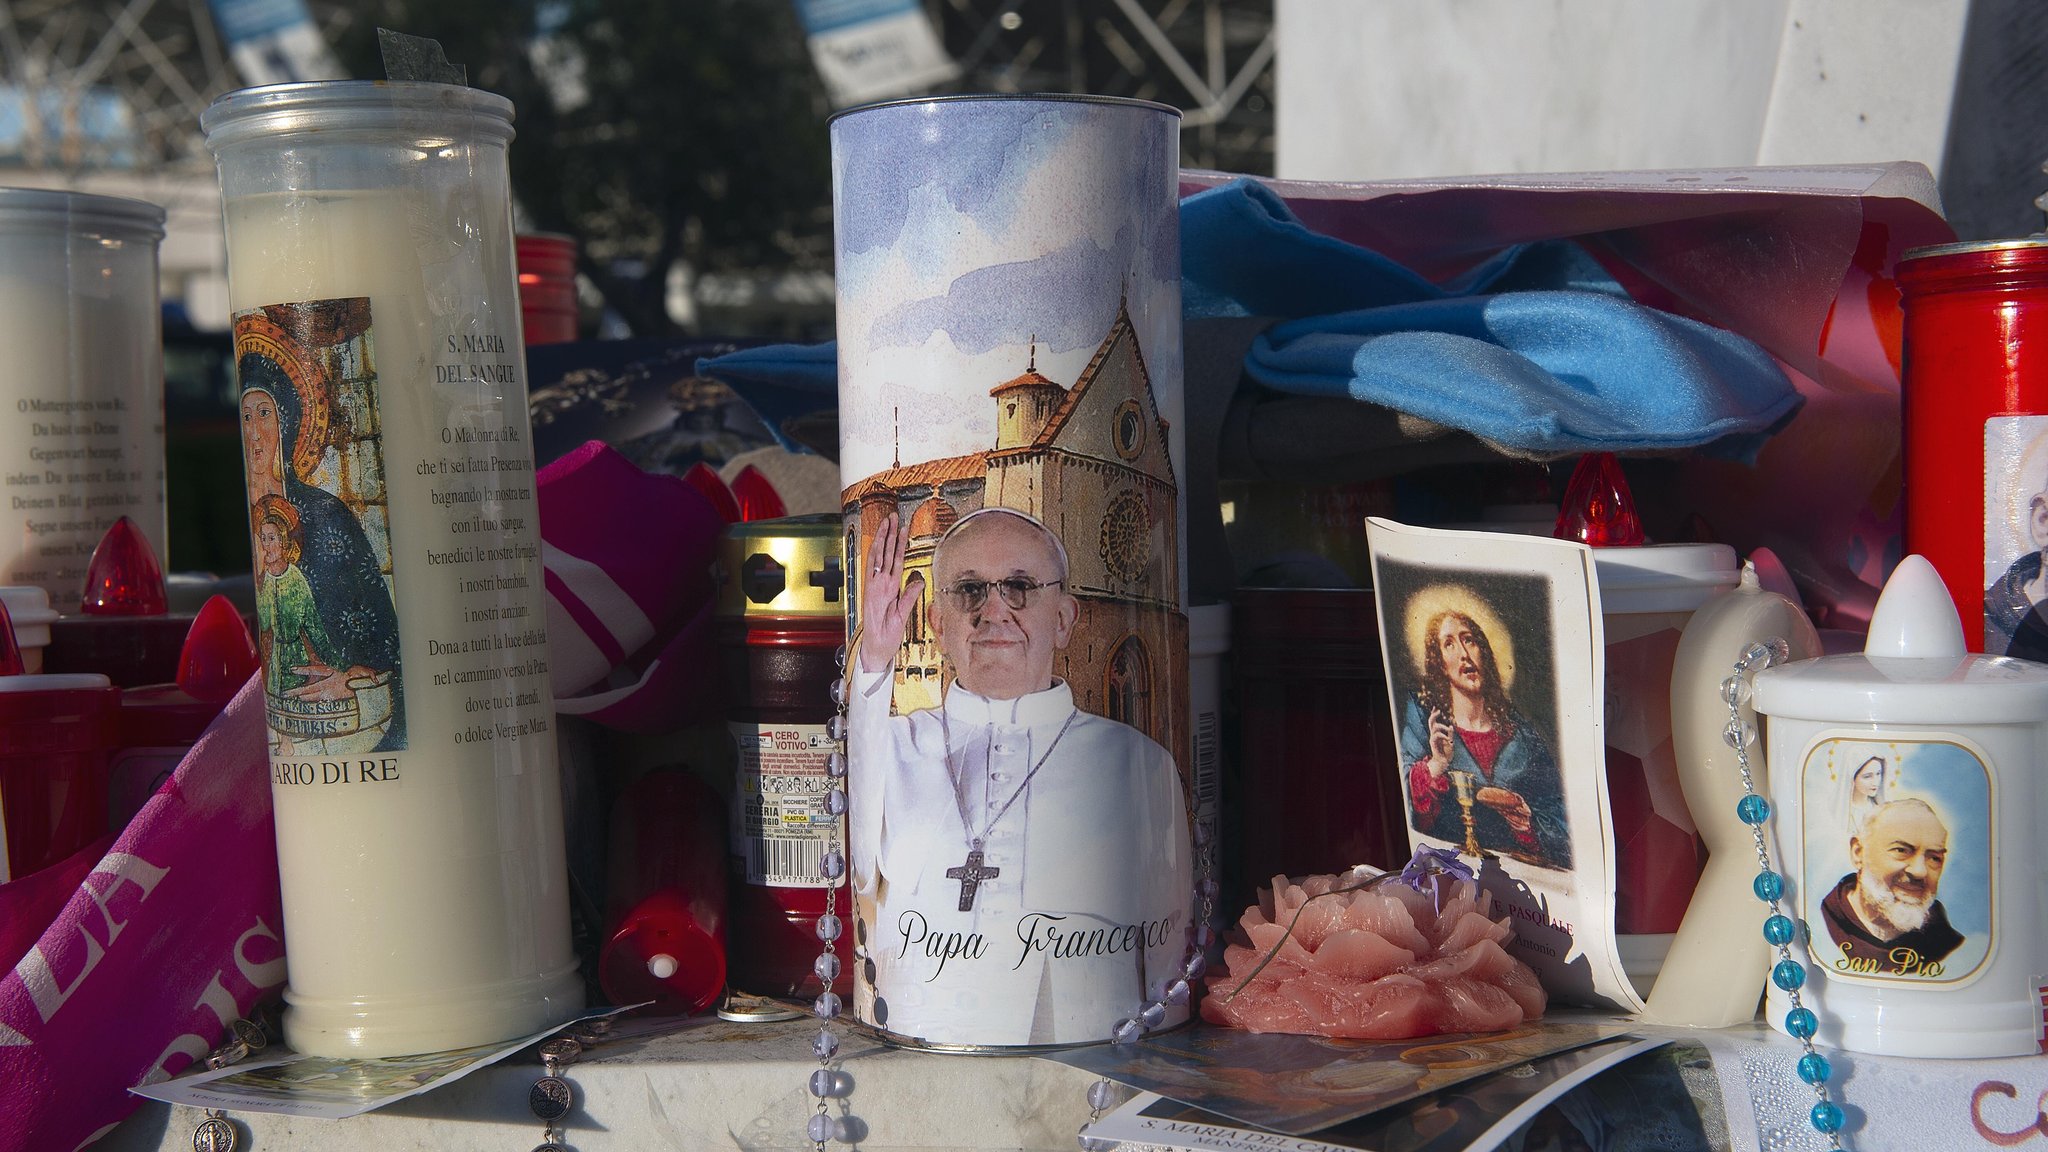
835 727
1196 965
828 927
1101 1095
1153 1015
1735 691
819 1128
1090 1143
1739 733
1755 657
835 801
1127 1031
1179 992
826 1006
826 1045
832 865
839 693
835 764
825 1084
827 967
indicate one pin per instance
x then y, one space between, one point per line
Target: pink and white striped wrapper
174 933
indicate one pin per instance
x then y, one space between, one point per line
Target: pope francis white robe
1080 914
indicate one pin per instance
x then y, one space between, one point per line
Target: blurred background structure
682 144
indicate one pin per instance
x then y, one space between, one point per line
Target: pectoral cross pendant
970 875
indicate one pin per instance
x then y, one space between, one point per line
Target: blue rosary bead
1768 886
1753 809
1778 930
1813 1068
1787 974
1826 1118
1802 1023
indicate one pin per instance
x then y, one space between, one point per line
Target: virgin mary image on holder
327 627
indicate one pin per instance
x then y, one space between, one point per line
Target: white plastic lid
1663 577
53 682
1913 669
29 608
1208 630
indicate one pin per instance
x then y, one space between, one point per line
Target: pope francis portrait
1020 867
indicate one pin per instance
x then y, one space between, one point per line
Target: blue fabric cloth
1534 349
780 381
1244 253
1541 373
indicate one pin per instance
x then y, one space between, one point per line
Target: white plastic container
29 608
81 384
1907 812
1647 595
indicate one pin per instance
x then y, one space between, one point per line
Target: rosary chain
1779 929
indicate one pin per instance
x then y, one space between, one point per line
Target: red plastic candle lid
123 577
1598 508
703 479
757 496
219 654
661 953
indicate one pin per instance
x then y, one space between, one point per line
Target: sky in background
967 230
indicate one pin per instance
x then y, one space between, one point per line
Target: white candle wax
424 888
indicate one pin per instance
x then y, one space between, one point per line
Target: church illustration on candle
1092 463
1017 814
319 527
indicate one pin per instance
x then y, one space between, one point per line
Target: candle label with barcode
780 826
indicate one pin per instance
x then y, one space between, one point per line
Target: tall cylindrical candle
1009 374
81 384
1976 433
781 615
399 594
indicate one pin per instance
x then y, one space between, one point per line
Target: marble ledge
708 1085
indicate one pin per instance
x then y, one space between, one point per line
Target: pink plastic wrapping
175 932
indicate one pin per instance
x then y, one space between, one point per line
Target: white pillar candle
391 489
81 385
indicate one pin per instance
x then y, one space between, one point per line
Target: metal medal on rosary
551 1098
217 1133
214 1134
